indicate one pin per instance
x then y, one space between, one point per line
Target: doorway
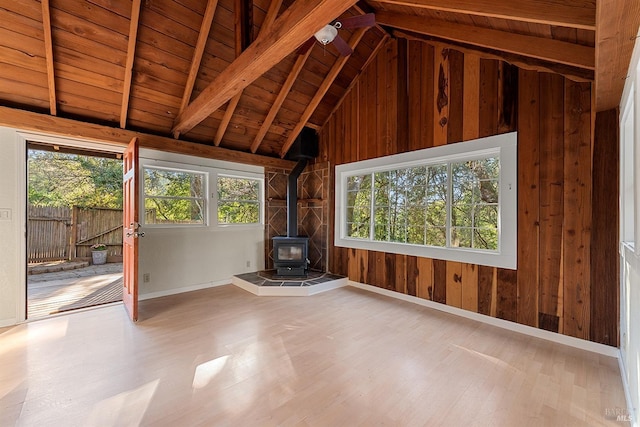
74 228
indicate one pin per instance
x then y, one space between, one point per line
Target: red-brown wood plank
489 74
425 285
551 193
486 285
576 255
507 294
454 284
528 197
412 275
455 122
402 110
605 272
400 278
426 90
442 94
388 281
471 95
440 281
470 287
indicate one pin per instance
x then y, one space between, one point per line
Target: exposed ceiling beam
48 48
226 118
301 20
203 36
574 14
322 90
243 23
371 57
616 34
282 95
58 126
361 7
272 13
131 54
519 44
526 63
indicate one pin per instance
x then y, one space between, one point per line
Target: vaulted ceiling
229 73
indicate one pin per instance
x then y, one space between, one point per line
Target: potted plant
99 253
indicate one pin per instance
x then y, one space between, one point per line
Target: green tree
238 201
59 179
174 196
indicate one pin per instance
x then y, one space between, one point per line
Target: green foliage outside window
174 197
238 200
418 205
60 179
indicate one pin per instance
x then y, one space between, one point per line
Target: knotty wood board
551 191
552 287
454 284
441 90
576 255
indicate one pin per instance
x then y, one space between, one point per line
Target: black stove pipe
292 198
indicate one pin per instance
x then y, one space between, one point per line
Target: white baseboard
175 291
288 291
8 322
505 324
627 394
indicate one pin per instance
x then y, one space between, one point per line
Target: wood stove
290 256
290 252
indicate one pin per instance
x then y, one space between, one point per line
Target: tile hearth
266 283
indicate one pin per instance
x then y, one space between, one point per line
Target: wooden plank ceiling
228 73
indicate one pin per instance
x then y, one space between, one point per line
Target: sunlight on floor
124 409
494 360
205 372
36 334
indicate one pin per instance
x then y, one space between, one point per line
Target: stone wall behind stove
313 211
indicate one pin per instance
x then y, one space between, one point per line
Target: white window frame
504 146
174 168
628 201
261 203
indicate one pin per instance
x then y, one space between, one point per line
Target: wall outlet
146 278
5 214
248 263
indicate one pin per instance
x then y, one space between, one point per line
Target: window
455 202
174 197
239 200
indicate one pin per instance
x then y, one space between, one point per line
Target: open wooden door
130 229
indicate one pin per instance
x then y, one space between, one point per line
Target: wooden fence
66 233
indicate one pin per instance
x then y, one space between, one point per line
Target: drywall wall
12 193
180 259
176 259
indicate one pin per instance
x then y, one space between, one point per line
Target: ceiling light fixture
327 34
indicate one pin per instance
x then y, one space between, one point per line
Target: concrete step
55 266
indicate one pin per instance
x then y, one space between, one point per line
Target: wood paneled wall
313 212
417 95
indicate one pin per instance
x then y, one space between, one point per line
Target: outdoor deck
56 292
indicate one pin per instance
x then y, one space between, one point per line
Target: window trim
261 201
174 168
505 146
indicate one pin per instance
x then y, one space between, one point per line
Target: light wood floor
347 357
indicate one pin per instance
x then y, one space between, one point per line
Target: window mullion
448 204
372 207
425 204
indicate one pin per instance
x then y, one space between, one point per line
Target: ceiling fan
329 33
